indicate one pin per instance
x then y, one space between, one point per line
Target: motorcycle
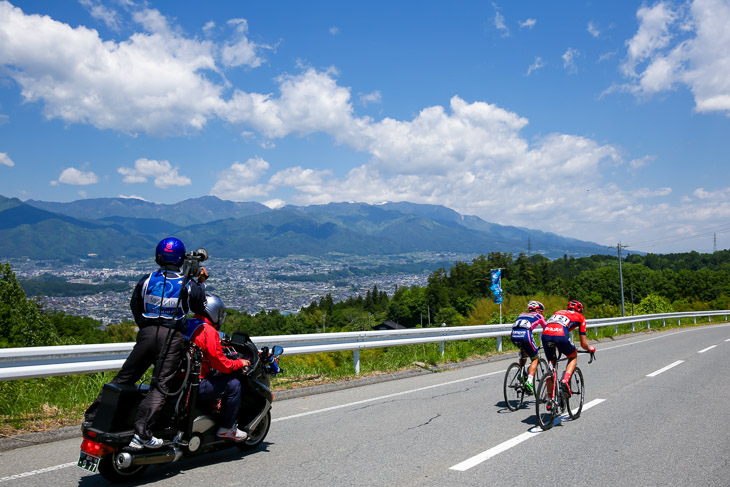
187 424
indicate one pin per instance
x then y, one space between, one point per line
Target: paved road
648 424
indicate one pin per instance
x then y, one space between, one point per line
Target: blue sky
604 121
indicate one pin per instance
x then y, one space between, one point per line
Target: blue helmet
170 251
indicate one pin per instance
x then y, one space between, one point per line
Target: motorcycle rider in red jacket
203 332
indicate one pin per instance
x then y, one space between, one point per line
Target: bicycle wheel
577 387
545 416
514 391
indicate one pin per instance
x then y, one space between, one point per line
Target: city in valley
247 285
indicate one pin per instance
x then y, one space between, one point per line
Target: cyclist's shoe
530 388
565 388
549 404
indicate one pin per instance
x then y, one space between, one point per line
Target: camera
191 264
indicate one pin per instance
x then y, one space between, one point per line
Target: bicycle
514 382
548 408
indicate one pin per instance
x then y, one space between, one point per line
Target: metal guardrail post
356 360
664 322
648 324
633 326
695 318
499 344
441 344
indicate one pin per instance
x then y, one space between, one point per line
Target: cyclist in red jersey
557 331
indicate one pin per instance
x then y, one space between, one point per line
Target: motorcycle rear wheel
109 470
256 436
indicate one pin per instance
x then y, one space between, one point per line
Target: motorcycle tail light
94 448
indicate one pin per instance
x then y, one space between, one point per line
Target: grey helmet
215 309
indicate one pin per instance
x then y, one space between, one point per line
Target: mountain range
131 227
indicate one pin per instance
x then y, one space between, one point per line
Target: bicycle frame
554 399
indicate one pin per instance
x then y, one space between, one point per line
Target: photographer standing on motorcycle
202 331
160 303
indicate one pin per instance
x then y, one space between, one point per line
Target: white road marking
706 349
504 446
664 369
35 472
364 401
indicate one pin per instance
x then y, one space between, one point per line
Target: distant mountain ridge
185 213
130 227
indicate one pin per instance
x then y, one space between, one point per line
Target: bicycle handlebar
593 355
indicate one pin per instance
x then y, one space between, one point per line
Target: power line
679 237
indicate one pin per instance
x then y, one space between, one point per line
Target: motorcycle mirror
278 350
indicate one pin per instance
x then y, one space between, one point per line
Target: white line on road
706 349
504 446
664 369
34 472
364 401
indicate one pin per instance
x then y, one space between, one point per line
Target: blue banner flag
496 286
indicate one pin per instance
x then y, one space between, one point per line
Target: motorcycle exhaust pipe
127 459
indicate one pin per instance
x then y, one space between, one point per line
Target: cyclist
522 337
557 331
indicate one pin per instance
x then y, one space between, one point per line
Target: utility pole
632 300
621 276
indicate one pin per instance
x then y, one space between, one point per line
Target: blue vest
161 296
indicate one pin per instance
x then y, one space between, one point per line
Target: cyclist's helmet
170 251
576 306
215 309
535 306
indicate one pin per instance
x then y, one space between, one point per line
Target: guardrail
34 362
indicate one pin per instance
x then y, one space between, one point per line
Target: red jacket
206 337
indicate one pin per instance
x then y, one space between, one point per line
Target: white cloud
162 172
569 59
653 34
309 102
5 160
593 30
499 21
641 162
538 64
275 203
152 82
682 46
71 175
242 51
334 30
101 12
368 98
529 23
131 197
238 182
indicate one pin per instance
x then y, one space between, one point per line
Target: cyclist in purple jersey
522 337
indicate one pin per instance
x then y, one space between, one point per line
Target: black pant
151 342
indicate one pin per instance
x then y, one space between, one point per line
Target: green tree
653 304
21 322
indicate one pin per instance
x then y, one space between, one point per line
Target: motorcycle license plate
88 462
